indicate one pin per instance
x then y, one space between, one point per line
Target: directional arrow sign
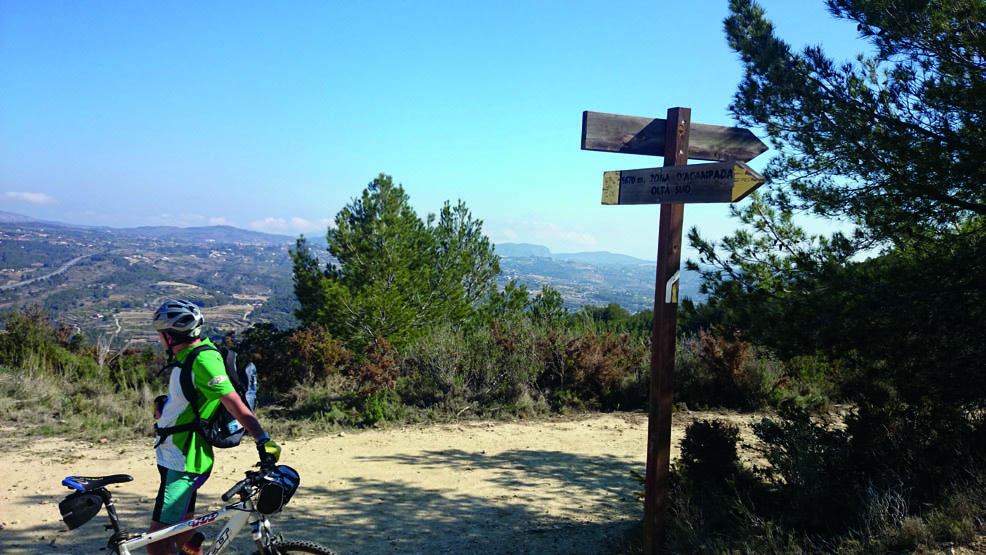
638 135
699 183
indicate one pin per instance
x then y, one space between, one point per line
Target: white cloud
553 233
270 225
30 198
219 221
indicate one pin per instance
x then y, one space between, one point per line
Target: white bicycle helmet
179 316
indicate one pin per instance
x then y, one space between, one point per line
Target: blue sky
274 115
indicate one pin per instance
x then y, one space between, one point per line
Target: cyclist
184 459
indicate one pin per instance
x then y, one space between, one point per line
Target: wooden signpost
637 135
719 182
674 185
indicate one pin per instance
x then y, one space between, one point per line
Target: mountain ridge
237 235
122 270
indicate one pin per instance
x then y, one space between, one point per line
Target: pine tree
895 141
894 144
394 275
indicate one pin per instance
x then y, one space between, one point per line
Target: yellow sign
699 183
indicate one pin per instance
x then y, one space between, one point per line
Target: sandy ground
557 486
550 486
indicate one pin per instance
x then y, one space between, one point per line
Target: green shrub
812 468
807 381
27 333
711 371
380 405
712 495
319 402
708 451
509 364
517 367
960 518
488 368
432 369
930 449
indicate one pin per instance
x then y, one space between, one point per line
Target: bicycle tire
282 547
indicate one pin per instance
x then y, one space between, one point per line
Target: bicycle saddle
89 483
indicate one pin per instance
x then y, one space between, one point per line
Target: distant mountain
233 235
602 257
593 278
522 250
583 278
215 233
11 218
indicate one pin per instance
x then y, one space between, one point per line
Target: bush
512 362
432 368
487 369
27 333
517 368
960 518
928 448
708 451
376 370
808 381
318 354
322 403
269 349
380 405
712 495
812 468
711 371
596 364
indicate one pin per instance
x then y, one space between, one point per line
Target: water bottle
251 392
194 545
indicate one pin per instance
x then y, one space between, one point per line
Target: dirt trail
540 487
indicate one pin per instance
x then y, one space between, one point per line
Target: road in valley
60 270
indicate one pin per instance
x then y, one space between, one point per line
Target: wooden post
663 343
708 183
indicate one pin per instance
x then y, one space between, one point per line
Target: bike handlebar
235 489
253 478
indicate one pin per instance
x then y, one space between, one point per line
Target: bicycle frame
77 510
243 512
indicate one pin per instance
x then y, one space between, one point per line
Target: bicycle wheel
283 547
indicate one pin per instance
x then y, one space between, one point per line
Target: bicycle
262 493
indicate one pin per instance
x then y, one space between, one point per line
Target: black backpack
221 429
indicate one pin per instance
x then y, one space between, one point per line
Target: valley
104 282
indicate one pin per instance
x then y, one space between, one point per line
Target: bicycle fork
262 535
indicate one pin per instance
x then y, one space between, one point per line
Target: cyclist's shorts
176 496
